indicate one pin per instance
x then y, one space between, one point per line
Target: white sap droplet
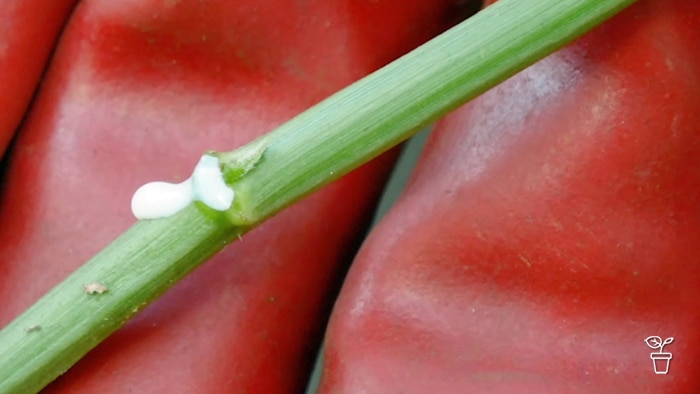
156 200
209 186
161 199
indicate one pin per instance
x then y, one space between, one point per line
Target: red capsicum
28 32
137 90
550 228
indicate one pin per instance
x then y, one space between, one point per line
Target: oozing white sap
157 200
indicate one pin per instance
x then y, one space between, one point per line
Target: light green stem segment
383 109
66 323
306 153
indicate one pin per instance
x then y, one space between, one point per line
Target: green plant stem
385 108
139 266
313 149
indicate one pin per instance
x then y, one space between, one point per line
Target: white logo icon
661 359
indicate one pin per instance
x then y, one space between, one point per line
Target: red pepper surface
550 227
28 32
137 91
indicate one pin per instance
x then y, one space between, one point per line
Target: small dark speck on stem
94 288
33 328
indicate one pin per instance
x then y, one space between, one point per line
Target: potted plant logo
660 359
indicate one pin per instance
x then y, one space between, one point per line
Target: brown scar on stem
94 288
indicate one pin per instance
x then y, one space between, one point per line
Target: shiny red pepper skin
28 32
137 91
551 226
